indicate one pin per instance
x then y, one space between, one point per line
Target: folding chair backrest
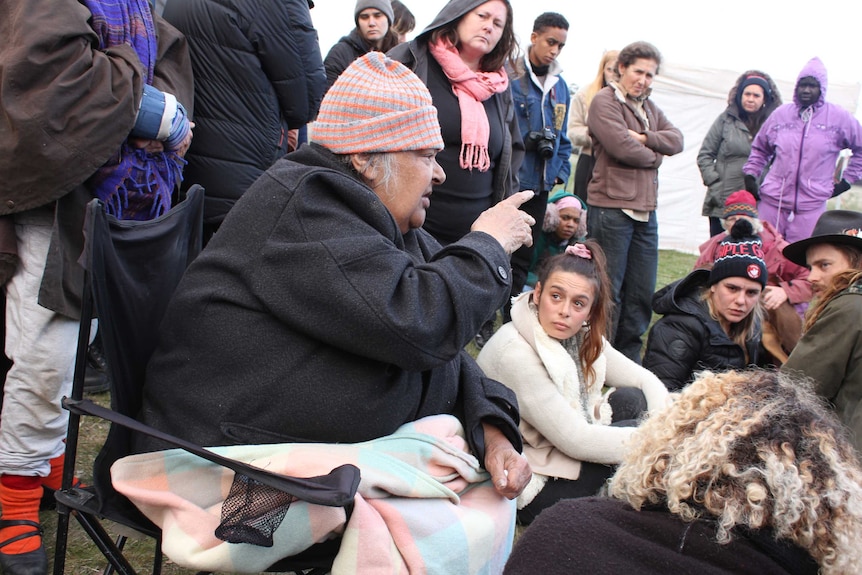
135 267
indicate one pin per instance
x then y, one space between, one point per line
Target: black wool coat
310 317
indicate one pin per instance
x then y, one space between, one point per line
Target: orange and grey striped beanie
377 105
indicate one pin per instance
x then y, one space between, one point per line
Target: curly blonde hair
756 449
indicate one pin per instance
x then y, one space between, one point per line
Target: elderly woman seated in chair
322 312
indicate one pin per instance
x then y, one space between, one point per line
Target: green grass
83 558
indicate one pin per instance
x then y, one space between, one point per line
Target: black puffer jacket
342 54
687 339
258 72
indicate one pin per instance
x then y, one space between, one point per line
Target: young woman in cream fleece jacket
554 356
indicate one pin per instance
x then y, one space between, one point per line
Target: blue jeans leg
631 248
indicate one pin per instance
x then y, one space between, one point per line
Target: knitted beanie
377 105
740 254
759 81
740 203
382 5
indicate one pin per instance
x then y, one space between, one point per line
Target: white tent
692 98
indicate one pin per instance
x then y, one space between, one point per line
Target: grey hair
384 162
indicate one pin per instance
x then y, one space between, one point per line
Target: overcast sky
777 37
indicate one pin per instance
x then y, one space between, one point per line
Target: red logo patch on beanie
753 271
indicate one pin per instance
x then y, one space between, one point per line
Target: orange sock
19 498
55 478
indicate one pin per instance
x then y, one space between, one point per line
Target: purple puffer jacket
803 154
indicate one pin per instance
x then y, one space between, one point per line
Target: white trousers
41 345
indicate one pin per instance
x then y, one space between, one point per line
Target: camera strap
559 110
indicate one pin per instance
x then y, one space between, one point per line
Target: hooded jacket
415 55
626 172
541 106
801 153
564 420
255 350
726 146
258 73
686 339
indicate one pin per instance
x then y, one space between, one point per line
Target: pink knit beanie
377 105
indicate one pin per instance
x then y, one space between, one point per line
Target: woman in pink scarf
461 58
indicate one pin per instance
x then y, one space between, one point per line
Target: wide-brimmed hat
833 227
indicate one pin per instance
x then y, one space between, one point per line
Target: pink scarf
471 88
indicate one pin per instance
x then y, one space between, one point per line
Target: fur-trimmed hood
772 100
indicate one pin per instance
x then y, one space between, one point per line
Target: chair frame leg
112 552
73 426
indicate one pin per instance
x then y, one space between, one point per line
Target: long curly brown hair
756 449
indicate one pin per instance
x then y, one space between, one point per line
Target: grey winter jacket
723 153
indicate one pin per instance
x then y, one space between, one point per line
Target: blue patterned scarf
133 184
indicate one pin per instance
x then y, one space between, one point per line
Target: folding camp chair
133 268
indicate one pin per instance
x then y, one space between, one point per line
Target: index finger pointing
521 197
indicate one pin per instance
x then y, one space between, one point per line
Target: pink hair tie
579 250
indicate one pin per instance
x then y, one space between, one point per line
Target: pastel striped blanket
424 505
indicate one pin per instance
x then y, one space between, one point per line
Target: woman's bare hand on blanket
509 470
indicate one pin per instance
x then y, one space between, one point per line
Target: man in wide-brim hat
830 351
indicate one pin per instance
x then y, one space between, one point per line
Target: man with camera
542 105
631 136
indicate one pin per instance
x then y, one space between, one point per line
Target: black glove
751 186
840 188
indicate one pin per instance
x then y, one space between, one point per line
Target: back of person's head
631 53
550 20
404 21
755 449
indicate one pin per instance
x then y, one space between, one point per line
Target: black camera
542 141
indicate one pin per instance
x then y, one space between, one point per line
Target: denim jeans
631 248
